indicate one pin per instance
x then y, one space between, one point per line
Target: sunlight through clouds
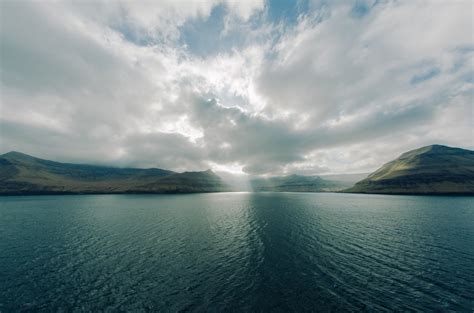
249 87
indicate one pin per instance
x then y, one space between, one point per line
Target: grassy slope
23 174
429 170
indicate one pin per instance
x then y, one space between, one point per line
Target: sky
263 87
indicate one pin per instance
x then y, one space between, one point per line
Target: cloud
432 72
158 22
326 87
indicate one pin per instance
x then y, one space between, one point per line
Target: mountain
24 174
298 183
432 169
349 178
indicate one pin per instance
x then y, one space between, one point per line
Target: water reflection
237 251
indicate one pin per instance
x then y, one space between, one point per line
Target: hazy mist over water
237 251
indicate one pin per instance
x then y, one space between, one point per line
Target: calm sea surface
237 252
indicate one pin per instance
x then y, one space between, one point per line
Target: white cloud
110 82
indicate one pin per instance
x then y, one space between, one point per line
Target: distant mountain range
24 174
432 169
348 178
297 183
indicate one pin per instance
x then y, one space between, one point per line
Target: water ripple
237 252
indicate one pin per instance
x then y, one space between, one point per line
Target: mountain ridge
297 183
433 169
24 174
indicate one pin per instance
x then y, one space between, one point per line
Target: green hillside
432 169
24 174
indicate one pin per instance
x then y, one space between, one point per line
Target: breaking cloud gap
263 87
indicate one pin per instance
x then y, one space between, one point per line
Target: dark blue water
237 252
